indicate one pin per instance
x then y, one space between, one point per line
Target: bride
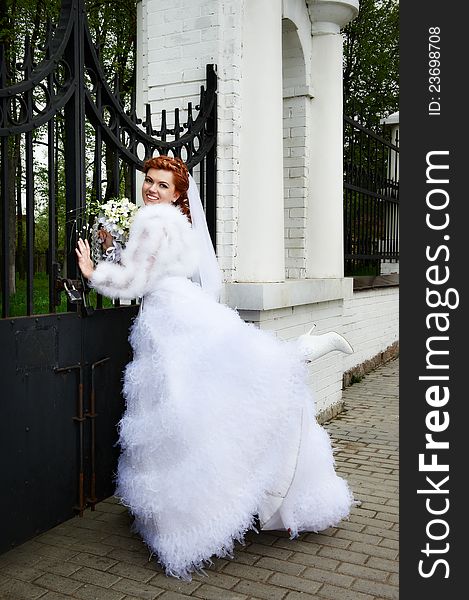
219 425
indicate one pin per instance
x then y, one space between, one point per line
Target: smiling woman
166 181
219 425
158 187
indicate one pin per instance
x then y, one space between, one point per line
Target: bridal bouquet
115 216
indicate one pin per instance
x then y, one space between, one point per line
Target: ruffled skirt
219 427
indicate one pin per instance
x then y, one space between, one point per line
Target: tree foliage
371 60
112 26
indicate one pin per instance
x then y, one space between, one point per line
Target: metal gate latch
73 294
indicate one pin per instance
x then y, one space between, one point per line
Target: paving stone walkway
97 558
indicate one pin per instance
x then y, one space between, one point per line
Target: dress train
219 428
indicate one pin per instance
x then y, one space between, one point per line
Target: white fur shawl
161 243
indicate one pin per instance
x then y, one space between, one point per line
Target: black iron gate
61 385
371 197
60 404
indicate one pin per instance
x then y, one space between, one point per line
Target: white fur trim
161 243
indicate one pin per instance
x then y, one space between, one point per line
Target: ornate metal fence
371 198
67 138
51 114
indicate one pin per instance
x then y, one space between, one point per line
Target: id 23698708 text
434 71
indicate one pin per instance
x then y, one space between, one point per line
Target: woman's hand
106 238
84 259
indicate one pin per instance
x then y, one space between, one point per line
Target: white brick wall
389 267
295 150
370 323
229 119
179 38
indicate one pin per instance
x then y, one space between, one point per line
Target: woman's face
158 187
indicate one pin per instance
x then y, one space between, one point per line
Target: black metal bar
52 252
202 182
5 229
29 169
117 133
177 128
116 176
4 189
148 124
98 154
211 161
92 414
80 420
75 141
98 172
133 148
19 261
190 120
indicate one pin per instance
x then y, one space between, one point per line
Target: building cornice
330 16
271 296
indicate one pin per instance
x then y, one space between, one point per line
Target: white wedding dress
219 424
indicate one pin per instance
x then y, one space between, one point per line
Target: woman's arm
160 242
130 277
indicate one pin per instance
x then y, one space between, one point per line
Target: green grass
41 297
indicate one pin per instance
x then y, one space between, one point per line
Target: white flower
116 216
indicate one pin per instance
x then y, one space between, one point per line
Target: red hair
180 177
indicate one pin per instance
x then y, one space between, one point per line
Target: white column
260 252
324 235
